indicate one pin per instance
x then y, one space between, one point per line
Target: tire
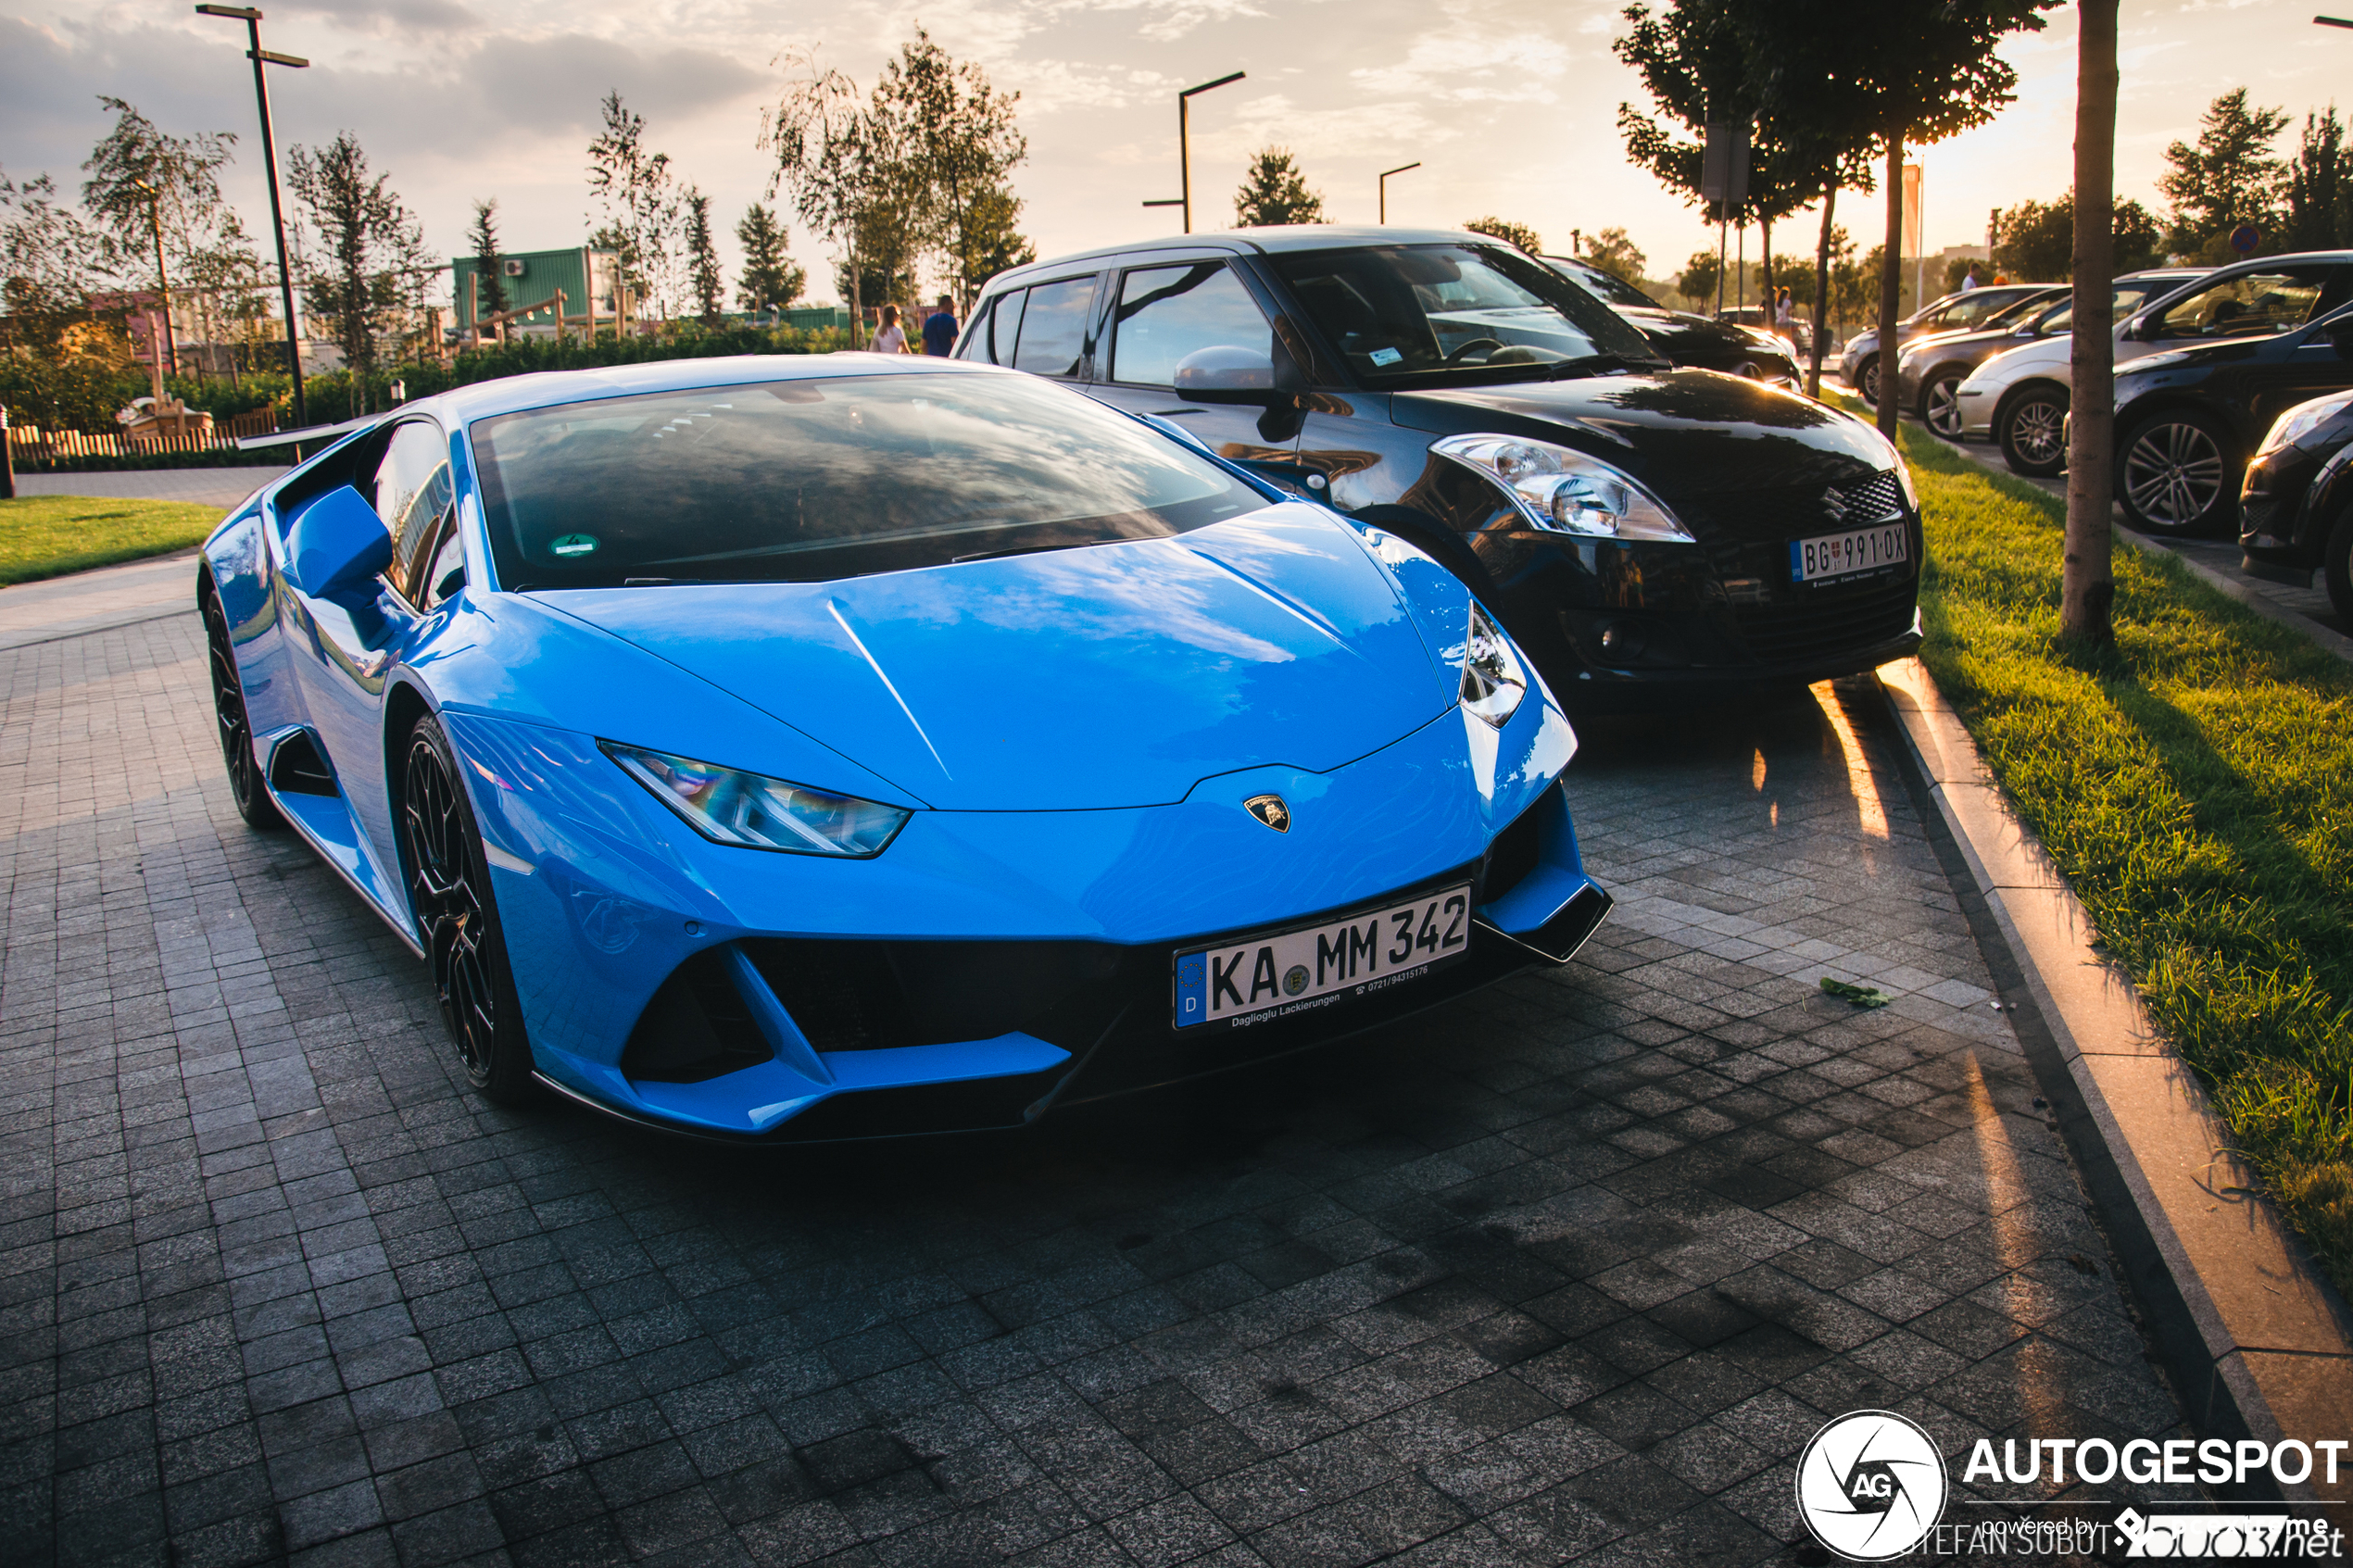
1939 410
2178 472
449 892
2336 566
2033 431
1867 384
246 787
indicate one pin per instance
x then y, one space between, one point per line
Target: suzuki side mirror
338 543
1223 374
2341 333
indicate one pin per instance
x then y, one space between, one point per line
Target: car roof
1274 240
547 388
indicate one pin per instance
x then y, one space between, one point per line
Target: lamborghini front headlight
754 811
1494 682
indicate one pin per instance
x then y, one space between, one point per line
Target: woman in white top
888 338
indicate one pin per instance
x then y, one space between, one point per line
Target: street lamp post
2331 22
1184 151
168 352
260 57
1384 185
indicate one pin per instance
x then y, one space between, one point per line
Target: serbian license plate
1843 555
1264 978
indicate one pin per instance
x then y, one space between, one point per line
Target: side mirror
338 543
1226 374
2341 335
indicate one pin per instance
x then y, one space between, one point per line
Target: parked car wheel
1867 384
237 730
2336 565
449 889
2176 472
1939 410
2033 432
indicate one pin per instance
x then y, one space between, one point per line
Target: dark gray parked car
1859 364
1687 341
1932 367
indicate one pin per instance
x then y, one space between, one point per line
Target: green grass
49 535
2194 783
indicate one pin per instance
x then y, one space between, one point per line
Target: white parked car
2020 399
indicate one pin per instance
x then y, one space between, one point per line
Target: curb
2257 1342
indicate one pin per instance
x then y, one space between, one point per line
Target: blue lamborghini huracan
826 746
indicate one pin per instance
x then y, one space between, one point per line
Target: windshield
808 481
2256 304
1421 312
2124 299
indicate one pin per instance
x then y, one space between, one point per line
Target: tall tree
960 143
1613 251
1699 277
50 261
2087 586
835 156
157 198
996 240
2319 186
1274 193
2232 176
703 282
1511 234
639 196
769 278
371 274
2035 241
490 292
1901 72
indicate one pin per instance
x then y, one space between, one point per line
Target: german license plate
1844 555
1262 978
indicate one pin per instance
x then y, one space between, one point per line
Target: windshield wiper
1037 549
1593 364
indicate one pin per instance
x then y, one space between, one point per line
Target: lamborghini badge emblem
1270 809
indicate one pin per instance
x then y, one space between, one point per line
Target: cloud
1171 19
1524 67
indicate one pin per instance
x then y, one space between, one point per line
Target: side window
991 338
1167 313
413 492
1054 329
2251 305
445 570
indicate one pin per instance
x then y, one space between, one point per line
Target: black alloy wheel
236 729
2336 567
1939 408
1869 385
450 890
2033 432
2175 473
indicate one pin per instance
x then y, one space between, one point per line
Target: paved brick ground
1569 1272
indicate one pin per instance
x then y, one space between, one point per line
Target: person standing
1968 279
940 330
887 338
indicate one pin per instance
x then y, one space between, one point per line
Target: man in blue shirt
940 330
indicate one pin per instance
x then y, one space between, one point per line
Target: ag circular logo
1871 1484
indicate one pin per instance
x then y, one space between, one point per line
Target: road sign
1723 178
2245 238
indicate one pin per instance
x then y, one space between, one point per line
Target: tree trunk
2088 588
1765 251
1891 283
1822 289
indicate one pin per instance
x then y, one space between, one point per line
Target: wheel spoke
448 910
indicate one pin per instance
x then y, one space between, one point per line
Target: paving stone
1569 1270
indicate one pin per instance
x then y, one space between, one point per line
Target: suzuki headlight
1494 682
1564 491
2300 420
753 812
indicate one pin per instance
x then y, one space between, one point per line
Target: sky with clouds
1508 104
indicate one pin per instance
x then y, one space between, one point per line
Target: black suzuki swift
1639 528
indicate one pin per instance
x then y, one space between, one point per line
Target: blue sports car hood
1114 675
